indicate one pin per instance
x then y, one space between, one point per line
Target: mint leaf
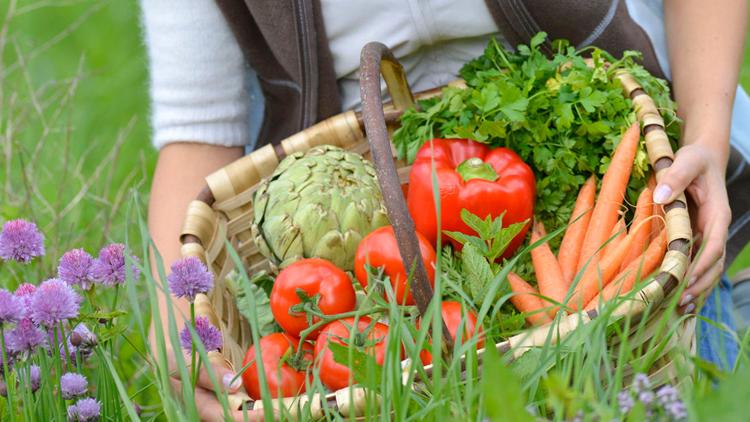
503 239
477 271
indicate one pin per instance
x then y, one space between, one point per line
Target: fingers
712 248
224 376
687 165
210 410
228 381
696 291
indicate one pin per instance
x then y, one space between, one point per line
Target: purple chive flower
54 301
26 337
85 410
677 410
74 268
82 337
24 293
625 401
81 342
667 395
646 397
641 383
73 385
20 241
11 309
209 335
109 268
189 277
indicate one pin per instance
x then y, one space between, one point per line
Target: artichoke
319 203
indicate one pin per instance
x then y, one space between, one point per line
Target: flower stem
67 358
58 366
193 368
9 383
117 296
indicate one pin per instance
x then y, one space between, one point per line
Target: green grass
75 145
75 140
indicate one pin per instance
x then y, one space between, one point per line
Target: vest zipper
308 59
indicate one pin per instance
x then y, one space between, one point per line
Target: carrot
611 195
643 266
598 274
619 231
570 248
526 302
549 277
642 225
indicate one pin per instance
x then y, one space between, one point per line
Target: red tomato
282 378
380 249
315 277
334 375
452 314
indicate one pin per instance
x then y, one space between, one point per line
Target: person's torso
431 38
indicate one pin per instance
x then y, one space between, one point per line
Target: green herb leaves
563 116
479 253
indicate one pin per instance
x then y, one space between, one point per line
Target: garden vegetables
311 284
562 116
456 316
362 334
319 203
485 181
379 250
285 371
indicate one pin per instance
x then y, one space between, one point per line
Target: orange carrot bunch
600 257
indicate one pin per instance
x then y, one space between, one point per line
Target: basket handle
377 59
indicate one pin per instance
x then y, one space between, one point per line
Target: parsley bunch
562 116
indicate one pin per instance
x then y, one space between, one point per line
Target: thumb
227 379
686 167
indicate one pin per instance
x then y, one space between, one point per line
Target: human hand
207 403
699 171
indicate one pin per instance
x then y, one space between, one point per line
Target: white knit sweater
199 79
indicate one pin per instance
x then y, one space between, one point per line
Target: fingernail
692 280
662 193
228 381
690 308
686 299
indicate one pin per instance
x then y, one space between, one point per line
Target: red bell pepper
485 181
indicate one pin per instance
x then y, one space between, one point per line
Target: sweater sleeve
197 74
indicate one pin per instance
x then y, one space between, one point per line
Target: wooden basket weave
223 212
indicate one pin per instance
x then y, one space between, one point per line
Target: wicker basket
223 212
